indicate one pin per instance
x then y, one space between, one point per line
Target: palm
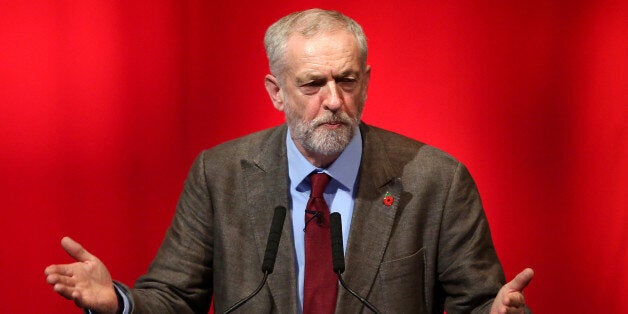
87 282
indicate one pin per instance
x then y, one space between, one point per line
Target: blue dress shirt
339 194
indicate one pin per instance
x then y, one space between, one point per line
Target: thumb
521 280
75 250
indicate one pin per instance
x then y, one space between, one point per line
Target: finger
75 250
64 280
51 269
514 299
53 279
521 280
63 290
65 270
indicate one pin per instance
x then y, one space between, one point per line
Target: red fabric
104 105
320 287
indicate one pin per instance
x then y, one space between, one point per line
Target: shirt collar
344 169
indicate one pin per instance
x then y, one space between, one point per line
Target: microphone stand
338 257
363 300
270 254
239 303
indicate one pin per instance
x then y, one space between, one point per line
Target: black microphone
273 239
337 254
338 257
269 256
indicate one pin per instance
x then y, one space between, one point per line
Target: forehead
336 51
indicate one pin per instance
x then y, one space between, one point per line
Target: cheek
312 108
353 104
302 108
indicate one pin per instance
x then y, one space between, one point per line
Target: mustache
339 117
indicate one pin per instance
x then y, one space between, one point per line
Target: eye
312 87
347 83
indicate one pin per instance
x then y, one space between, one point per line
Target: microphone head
273 239
337 251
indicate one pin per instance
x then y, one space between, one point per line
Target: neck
316 159
320 161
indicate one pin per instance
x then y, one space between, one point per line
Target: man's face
321 91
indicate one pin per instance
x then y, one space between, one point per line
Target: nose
333 98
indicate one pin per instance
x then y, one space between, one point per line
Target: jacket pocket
402 284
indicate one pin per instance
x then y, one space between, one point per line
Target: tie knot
319 182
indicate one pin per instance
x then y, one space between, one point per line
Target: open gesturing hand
87 281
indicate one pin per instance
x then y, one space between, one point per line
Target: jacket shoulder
401 149
246 147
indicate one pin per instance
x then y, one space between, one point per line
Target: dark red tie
321 283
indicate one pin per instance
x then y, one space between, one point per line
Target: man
415 234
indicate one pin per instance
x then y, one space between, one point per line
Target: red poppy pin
388 199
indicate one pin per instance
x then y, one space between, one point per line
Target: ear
274 91
367 79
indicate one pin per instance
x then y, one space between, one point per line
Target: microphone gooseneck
269 255
338 257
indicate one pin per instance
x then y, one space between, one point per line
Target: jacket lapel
266 179
372 221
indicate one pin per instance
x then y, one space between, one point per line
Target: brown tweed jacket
429 251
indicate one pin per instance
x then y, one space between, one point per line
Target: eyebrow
347 72
310 77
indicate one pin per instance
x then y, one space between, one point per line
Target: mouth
332 125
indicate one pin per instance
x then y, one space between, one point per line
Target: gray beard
320 140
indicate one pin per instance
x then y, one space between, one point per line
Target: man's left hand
510 299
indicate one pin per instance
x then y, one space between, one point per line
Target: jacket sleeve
179 280
468 270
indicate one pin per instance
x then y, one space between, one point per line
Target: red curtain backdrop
104 105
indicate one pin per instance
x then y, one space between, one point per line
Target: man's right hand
87 281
